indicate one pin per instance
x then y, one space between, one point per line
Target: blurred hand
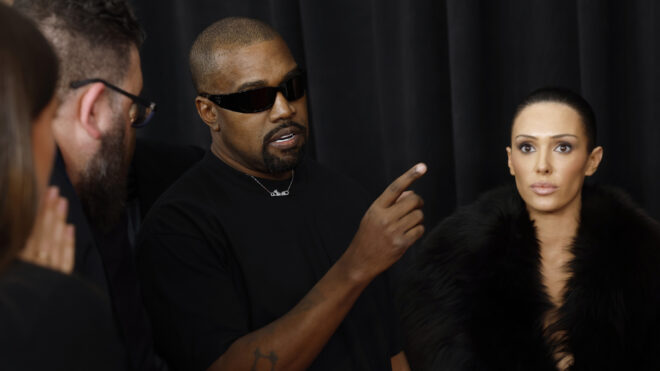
389 227
51 242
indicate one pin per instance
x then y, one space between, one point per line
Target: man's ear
594 160
508 155
90 109
208 112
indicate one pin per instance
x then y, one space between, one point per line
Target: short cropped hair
92 38
569 98
226 33
28 76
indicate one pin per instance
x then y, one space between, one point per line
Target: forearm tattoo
272 357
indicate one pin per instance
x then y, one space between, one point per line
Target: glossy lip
543 188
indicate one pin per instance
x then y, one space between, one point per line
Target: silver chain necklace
275 193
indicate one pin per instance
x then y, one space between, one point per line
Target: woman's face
549 157
43 145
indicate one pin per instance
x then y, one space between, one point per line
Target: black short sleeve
195 308
220 258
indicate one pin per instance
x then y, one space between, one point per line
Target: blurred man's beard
292 157
102 186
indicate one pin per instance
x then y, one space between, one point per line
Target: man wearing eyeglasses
259 258
97 43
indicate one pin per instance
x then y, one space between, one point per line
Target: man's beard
293 156
102 187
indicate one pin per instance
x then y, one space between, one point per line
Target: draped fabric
392 83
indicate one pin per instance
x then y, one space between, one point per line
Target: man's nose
282 109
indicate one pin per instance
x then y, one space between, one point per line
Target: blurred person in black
97 44
48 320
259 257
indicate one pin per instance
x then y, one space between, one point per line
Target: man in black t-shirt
259 258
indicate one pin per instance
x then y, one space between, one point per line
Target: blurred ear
90 109
508 155
208 112
594 160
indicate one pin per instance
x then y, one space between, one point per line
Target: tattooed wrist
272 357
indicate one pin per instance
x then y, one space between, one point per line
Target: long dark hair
28 78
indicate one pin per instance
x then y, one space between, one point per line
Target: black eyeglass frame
225 100
148 105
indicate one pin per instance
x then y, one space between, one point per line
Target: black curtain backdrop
392 83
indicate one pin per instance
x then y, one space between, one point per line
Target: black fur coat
474 299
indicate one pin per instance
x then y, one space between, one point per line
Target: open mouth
285 138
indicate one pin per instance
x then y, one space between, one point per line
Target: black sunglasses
261 99
141 110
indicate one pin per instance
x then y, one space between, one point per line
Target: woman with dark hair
48 320
549 275
28 82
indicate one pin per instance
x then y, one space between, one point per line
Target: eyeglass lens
140 115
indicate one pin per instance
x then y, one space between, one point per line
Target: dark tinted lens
294 88
261 99
250 101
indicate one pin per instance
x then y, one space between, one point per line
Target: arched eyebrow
553 137
262 83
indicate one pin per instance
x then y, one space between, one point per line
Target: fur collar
475 300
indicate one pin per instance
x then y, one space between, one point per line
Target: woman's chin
543 204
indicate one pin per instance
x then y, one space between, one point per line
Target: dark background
392 83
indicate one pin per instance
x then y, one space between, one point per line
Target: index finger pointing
397 187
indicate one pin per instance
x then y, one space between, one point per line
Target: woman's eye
564 148
526 148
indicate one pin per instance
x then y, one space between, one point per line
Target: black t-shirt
49 321
219 257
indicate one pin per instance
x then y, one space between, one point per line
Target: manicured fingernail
420 168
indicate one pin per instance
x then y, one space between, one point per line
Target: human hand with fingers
52 240
389 227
